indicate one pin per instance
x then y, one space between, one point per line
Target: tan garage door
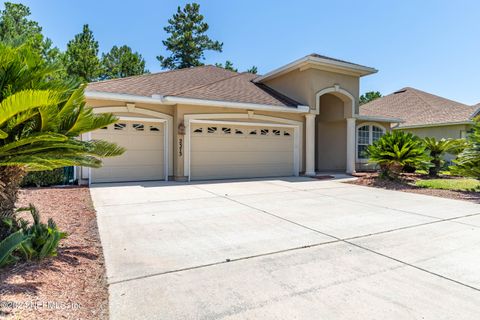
144 156
231 151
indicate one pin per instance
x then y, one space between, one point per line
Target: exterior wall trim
433 125
379 118
269 121
171 100
335 88
352 68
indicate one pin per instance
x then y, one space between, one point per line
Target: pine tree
122 62
81 57
228 65
188 39
16 29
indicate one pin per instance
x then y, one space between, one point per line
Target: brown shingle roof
205 82
417 107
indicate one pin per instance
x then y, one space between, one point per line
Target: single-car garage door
144 158
238 151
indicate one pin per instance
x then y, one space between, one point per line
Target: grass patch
450 184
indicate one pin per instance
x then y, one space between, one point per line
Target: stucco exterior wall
304 85
452 132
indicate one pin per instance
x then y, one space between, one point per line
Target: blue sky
432 45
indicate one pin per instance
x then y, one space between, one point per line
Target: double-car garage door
234 151
217 151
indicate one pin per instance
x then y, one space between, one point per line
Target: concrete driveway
293 248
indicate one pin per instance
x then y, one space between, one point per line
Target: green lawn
450 184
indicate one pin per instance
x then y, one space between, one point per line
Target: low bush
30 241
44 178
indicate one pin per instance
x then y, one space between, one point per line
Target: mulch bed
405 185
71 285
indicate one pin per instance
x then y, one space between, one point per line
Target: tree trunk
437 165
10 179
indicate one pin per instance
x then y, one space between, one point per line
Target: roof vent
400 91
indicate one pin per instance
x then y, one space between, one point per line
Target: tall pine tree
81 57
188 39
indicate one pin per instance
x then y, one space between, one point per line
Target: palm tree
437 149
40 122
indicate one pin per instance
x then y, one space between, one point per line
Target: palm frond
25 100
33 139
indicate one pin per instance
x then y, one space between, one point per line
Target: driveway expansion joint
346 240
227 260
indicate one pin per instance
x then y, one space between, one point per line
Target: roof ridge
417 93
414 91
207 84
151 74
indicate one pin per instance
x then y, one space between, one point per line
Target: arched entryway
333 133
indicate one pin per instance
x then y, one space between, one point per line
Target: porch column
350 145
310 144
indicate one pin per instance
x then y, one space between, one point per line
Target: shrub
396 150
437 149
44 178
34 240
468 161
43 239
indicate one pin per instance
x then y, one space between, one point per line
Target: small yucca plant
396 150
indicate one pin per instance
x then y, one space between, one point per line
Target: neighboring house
424 114
211 123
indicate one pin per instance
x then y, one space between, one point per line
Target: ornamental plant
40 122
437 150
396 150
468 161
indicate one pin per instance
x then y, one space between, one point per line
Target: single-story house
424 114
210 123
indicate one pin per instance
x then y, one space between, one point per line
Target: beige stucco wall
179 111
304 85
452 132
447 132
